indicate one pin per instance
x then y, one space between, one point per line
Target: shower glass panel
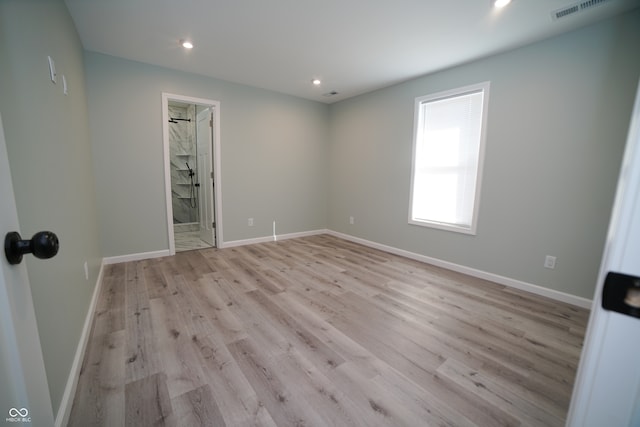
184 165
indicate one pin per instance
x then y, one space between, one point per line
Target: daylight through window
447 158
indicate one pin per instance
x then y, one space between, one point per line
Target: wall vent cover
575 8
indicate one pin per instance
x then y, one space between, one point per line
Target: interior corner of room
120 172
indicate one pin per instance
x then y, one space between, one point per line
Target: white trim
64 410
273 238
167 172
513 283
443 225
217 192
136 257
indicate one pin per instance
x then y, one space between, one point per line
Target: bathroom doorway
192 172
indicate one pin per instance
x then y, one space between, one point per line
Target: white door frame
24 391
217 190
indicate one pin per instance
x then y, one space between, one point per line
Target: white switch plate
86 270
52 69
64 85
550 262
352 220
250 222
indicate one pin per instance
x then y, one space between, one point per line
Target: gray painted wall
558 118
47 137
274 155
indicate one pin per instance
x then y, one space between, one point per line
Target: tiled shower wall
182 143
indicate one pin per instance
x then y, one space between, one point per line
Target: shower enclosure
190 154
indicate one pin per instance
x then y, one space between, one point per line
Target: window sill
444 226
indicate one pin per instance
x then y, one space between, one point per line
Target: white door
24 393
607 388
205 175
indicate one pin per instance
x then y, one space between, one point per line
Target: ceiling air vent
590 3
575 8
332 93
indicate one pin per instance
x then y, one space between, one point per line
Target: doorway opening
191 134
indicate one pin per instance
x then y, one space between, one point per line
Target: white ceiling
354 46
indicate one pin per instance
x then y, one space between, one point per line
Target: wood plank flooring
319 331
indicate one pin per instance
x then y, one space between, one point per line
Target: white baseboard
136 257
234 243
64 410
166 252
513 283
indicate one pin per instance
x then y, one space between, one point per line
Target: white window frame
419 101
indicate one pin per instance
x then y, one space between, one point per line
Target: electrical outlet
352 220
250 222
550 262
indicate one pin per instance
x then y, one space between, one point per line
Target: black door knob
43 245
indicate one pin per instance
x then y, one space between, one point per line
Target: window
448 150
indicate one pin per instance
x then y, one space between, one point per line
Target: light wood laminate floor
319 331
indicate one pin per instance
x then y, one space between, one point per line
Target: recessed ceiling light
501 3
316 82
186 44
